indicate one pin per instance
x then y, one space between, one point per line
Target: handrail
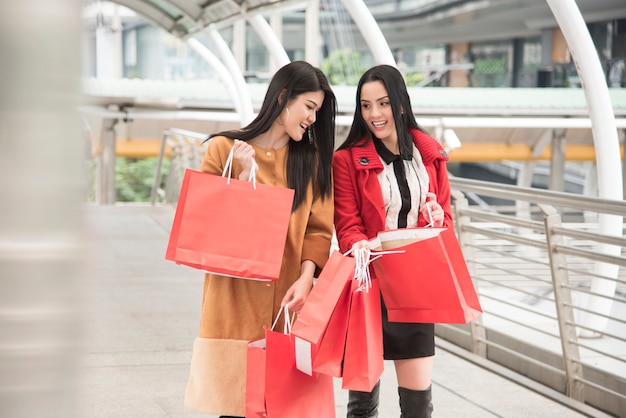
533 274
537 196
186 147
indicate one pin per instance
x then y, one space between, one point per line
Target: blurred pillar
312 35
42 186
458 53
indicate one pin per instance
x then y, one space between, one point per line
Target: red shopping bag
429 282
318 308
363 362
222 226
276 389
289 392
330 350
255 379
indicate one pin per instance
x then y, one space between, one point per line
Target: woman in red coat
390 174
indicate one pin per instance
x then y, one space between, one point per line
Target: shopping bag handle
228 168
361 269
363 258
288 319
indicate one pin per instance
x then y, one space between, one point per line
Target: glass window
492 64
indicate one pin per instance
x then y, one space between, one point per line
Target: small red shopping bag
287 392
428 281
319 305
363 362
214 229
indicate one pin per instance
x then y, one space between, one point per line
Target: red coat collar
365 157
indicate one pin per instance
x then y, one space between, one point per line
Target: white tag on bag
304 359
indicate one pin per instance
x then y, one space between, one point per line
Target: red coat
359 205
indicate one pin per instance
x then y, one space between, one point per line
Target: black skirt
406 340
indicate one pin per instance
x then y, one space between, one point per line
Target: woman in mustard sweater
292 141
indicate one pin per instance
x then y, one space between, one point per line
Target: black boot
415 403
363 404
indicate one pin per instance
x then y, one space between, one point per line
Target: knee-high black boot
363 404
415 403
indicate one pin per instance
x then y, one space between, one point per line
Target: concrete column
42 182
105 192
458 78
546 47
276 24
239 48
557 161
312 35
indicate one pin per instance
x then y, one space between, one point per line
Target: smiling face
377 112
301 112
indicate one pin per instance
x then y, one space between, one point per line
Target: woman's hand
363 244
299 291
244 154
432 211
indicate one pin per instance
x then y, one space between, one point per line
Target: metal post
159 169
105 193
564 311
477 330
557 161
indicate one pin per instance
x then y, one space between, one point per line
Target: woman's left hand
432 211
299 291
297 294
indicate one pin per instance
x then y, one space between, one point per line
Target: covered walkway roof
428 21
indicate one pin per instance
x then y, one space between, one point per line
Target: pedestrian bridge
551 340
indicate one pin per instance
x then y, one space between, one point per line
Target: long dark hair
400 105
305 162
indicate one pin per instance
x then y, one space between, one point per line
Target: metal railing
552 288
186 149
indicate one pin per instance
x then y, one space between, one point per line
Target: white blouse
417 179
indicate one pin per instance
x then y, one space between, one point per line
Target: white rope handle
361 270
363 258
228 169
288 319
430 216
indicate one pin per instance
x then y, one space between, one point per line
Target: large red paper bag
363 362
289 392
223 226
330 350
429 281
319 305
283 391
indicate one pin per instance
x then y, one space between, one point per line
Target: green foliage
134 178
412 78
490 65
343 67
